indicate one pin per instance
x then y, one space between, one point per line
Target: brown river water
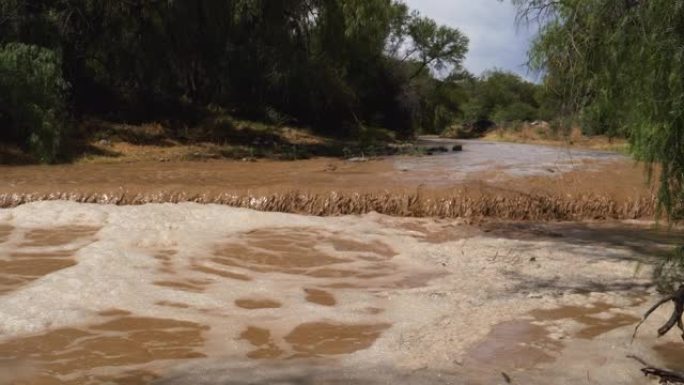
209 294
513 181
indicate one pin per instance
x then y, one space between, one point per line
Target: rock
437 149
203 156
357 160
457 148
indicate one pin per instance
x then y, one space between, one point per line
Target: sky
496 40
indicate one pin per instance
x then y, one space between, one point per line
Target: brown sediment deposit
488 180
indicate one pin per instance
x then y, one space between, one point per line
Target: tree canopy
620 66
501 97
330 64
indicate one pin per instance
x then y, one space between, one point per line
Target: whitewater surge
207 294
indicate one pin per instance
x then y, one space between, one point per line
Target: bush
516 112
32 99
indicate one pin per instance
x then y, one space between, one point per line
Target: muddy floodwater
208 294
377 275
513 181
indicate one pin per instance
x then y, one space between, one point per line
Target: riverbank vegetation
356 75
79 78
617 67
341 68
507 102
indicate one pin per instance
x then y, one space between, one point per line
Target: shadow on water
529 284
646 243
600 243
303 374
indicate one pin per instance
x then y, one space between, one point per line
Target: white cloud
496 41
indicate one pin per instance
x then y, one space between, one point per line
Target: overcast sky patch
496 41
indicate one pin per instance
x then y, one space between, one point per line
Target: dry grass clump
544 133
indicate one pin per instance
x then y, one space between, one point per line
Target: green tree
328 64
434 46
32 104
620 66
502 97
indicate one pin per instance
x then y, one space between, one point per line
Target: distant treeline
503 97
333 65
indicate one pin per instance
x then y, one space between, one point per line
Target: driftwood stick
675 319
648 313
666 377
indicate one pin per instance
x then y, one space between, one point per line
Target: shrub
32 99
516 112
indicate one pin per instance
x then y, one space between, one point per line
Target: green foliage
502 97
620 66
32 104
670 271
435 45
515 112
335 65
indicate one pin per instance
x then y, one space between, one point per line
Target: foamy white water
209 294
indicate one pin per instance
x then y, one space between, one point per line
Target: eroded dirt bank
502 180
207 294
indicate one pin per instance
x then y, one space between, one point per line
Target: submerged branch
666 377
675 318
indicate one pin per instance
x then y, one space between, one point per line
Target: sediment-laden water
511 181
208 294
